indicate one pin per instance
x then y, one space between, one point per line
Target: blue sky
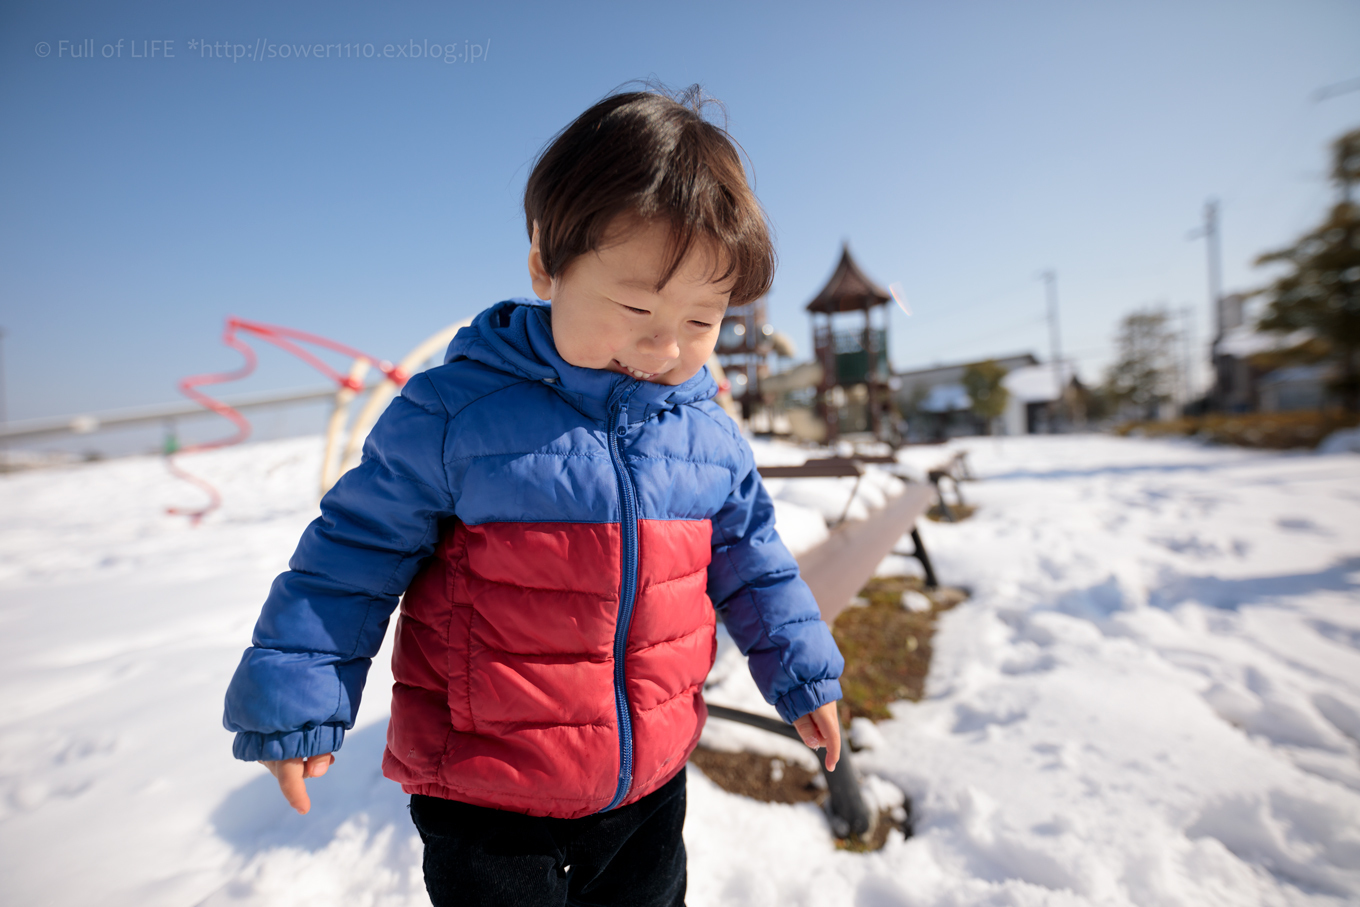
959 148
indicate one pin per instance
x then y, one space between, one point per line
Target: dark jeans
632 855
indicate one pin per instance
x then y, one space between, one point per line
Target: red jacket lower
504 665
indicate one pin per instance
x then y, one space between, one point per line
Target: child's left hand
822 728
291 774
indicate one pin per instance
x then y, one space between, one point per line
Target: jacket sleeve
769 611
297 688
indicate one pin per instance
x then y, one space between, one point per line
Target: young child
564 507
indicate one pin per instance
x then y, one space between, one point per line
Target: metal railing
87 423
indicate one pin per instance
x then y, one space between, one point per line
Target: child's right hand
292 773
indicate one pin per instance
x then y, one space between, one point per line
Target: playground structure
854 393
339 456
745 344
845 390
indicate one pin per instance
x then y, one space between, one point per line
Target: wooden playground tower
853 395
744 342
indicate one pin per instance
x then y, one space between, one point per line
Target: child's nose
662 344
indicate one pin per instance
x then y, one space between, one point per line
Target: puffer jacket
563 537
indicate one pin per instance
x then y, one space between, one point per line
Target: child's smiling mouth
640 375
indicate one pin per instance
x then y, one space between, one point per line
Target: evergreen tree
989 397
1142 376
1321 290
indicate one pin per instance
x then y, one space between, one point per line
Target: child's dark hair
653 155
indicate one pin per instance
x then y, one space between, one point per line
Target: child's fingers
808 731
822 730
290 774
317 765
829 729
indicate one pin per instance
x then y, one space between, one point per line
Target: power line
970 304
1336 88
979 338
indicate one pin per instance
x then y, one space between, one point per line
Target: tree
1142 376
989 397
1321 289
1346 162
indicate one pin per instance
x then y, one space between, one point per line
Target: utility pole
1187 363
1055 342
1210 234
1211 246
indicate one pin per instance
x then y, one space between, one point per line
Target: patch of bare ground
887 646
878 832
960 513
887 649
772 780
764 778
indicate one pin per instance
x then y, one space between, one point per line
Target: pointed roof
849 289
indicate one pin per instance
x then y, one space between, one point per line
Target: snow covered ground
1153 696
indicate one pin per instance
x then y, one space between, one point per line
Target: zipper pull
621 421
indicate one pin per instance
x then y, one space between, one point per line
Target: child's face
607 313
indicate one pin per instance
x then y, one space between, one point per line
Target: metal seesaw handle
846 809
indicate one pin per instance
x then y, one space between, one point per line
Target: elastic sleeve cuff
809 697
255 747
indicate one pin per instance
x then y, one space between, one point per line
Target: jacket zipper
627 597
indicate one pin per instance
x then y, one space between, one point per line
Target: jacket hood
515 336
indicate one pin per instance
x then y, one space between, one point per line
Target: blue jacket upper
506 430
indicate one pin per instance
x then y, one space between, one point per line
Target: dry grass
1271 431
887 648
764 778
877 836
961 512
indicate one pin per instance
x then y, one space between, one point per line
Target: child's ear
538 275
